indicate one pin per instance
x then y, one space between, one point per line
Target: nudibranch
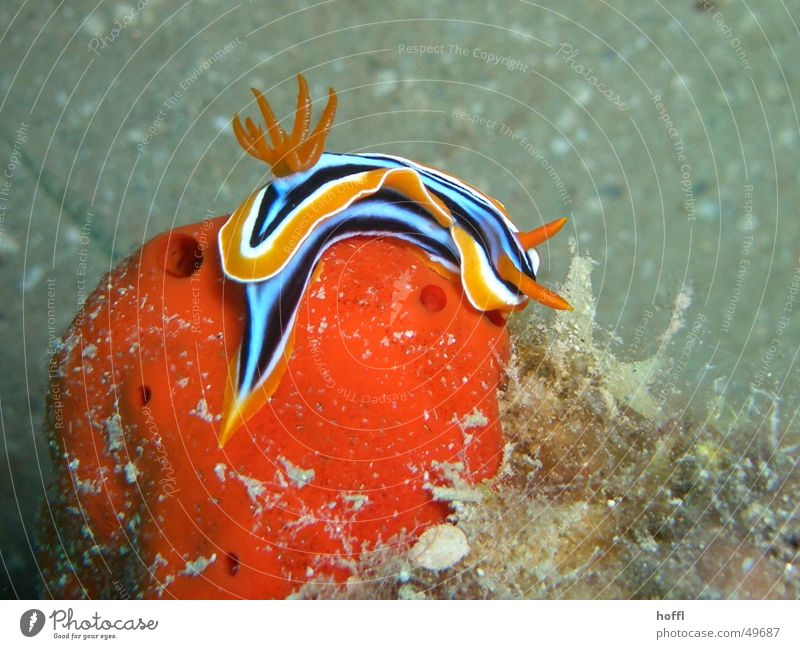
274 241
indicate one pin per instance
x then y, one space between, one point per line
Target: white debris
255 488
131 473
357 501
439 548
454 494
201 411
297 476
404 335
475 419
114 434
194 568
220 471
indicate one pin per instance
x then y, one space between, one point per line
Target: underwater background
666 131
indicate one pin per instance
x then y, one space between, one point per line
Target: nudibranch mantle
274 241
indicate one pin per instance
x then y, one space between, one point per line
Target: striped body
275 240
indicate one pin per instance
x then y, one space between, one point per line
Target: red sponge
389 397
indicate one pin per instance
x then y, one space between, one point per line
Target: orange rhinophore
289 153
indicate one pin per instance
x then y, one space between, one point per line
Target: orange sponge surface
387 405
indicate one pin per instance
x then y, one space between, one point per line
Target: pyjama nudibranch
274 241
